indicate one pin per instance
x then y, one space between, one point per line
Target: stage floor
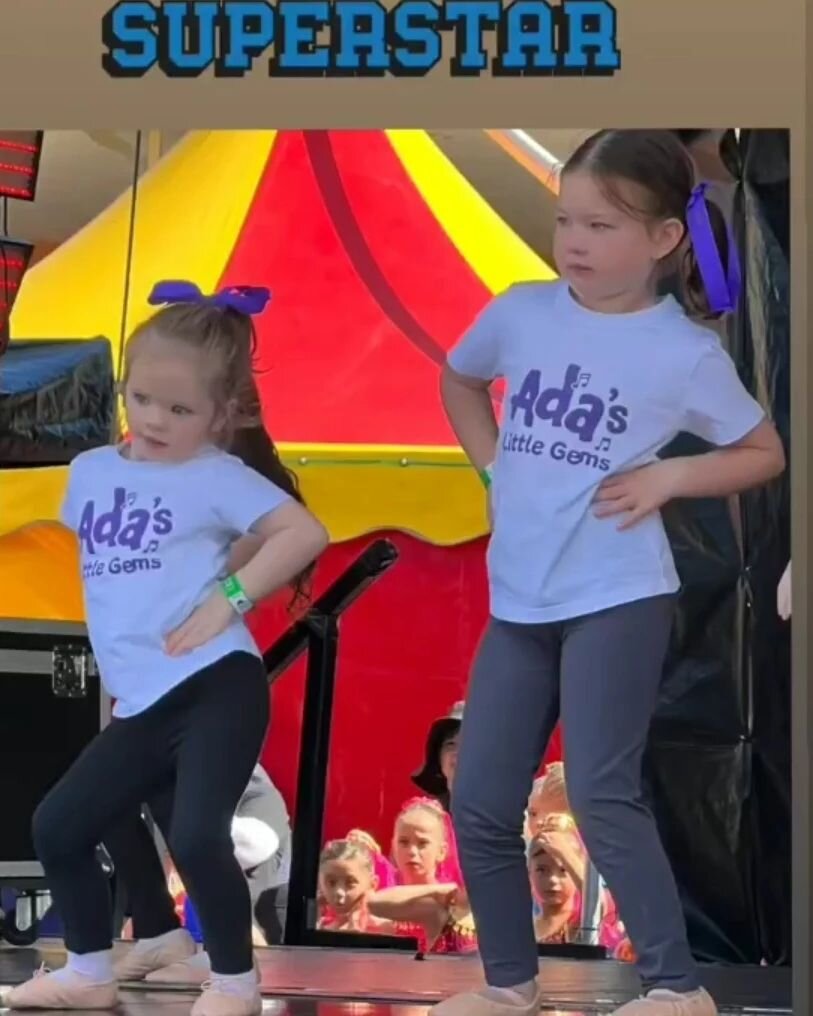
343 982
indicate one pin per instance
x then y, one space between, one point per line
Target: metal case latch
70 668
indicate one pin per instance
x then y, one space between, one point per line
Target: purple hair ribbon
249 300
722 285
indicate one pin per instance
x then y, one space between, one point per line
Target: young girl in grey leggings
600 374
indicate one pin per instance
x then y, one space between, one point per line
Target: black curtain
760 343
718 761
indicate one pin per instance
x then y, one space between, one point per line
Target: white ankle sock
243 985
95 967
168 938
519 994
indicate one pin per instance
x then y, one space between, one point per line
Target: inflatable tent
378 254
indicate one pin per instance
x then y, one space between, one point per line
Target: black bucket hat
429 777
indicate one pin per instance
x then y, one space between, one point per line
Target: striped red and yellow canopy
378 253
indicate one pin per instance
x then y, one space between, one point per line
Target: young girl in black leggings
158 520
164 951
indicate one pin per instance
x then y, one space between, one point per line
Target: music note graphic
581 381
151 547
603 445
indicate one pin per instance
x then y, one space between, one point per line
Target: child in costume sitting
548 797
351 901
557 864
424 855
384 869
347 880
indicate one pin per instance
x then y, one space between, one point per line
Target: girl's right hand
562 848
638 492
206 622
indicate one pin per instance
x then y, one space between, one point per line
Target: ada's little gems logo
565 420
360 38
122 538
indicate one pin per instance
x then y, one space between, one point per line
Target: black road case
51 706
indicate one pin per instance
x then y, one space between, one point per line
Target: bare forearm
279 559
471 415
424 905
440 892
424 911
725 471
242 551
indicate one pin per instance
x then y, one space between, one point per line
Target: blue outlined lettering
589 36
247 32
187 37
526 39
127 33
298 22
360 38
470 18
415 40
353 38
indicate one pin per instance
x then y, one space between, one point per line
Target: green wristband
236 595
487 476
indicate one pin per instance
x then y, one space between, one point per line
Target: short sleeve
477 353
242 496
69 509
717 406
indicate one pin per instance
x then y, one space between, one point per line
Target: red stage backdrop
404 654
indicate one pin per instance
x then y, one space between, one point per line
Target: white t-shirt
588 395
154 539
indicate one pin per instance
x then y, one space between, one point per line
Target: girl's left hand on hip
636 494
208 620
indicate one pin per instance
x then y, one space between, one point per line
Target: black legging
140 879
142 884
204 736
270 912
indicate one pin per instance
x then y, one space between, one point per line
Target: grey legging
602 673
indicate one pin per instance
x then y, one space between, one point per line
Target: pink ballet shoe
214 1002
149 955
46 991
184 972
694 1003
188 972
472 1003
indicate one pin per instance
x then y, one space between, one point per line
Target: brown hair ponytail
662 171
226 339
254 447
248 438
693 290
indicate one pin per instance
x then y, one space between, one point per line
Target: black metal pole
312 779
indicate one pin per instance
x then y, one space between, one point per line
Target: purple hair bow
249 300
722 285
